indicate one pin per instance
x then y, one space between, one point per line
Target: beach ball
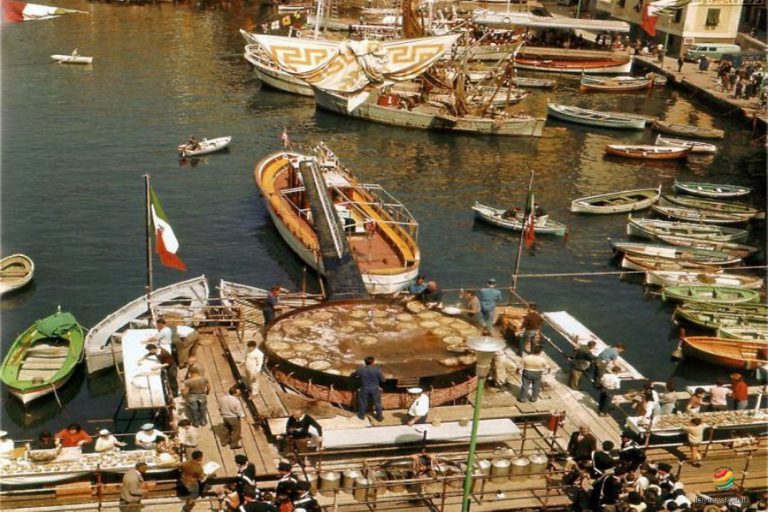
723 479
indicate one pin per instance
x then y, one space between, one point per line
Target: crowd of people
746 81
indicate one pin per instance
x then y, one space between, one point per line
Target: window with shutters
678 16
713 17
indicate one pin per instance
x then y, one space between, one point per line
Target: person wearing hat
246 475
132 489
287 487
489 297
148 437
252 503
419 409
297 430
6 445
106 441
631 454
305 501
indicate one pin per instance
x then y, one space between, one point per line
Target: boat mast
527 213
318 16
148 232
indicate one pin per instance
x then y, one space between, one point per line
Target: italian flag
166 244
15 12
529 228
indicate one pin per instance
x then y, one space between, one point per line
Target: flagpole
526 215
148 231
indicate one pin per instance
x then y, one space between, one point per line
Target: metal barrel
329 482
521 466
500 470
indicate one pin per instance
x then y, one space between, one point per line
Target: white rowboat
496 217
695 146
16 271
72 58
206 146
617 202
677 278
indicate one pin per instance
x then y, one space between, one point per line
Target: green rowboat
710 294
43 357
746 332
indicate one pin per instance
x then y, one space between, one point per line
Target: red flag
529 229
649 21
13 12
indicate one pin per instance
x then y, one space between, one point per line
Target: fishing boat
709 205
72 58
594 117
379 230
619 84
713 190
43 358
617 202
687 130
738 354
696 215
695 146
497 217
711 258
737 250
652 228
647 152
710 294
653 263
532 83
204 147
270 73
251 298
751 332
714 316
692 278
16 271
186 300
565 60
393 109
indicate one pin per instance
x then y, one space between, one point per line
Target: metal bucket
500 470
329 482
538 463
484 466
348 479
393 478
520 466
310 477
380 481
364 490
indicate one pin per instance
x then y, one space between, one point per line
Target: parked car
712 51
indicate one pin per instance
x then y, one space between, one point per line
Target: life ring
506 20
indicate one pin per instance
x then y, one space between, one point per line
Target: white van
712 51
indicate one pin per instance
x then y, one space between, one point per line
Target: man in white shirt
609 386
254 360
718 397
534 366
188 436
148 436
164 334
106 441
6 445
504 367
419 409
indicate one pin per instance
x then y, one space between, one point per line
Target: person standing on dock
489 297
196 389
680 62
419 409
184 346
271 305
609 387
167 364
132 490
192 476
287 487
472 305
297 430
246 475
534 365
695 433
607 357
254 360
232 414
188 437
370 379
532 323
583 358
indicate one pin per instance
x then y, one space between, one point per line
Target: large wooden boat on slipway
16 271
44 357
394 109
186 300
654 228
739 354
565 60
380 231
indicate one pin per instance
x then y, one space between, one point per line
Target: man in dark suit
581 445
370 379
604 459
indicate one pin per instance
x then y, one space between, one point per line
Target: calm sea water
77 140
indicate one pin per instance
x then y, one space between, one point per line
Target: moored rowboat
72 58
43 358
695 215
652 228
687 130
714 316
496 217
680 278
695 146
710 294
648 263
739 354
736 250
714 190
711 258
205 147
752 332
619 84
709 205
617 202
647 152
16 271
595 117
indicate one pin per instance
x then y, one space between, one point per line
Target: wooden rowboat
650 263
710 294
647 152
617 202
695 215
652 228
714 316
696 147
711 258
709 205
16 271
618 84
750 332
739 354
683 278
72 58
736 250
533 83
714 190
548 64
496 217
687 130
595 117
43 358
205 147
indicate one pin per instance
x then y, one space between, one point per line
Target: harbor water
76 141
